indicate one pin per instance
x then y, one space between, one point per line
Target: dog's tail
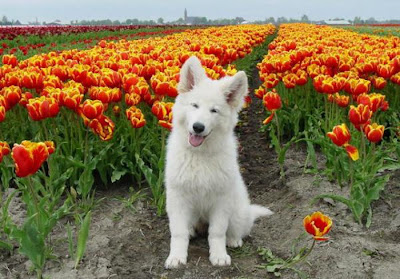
257 211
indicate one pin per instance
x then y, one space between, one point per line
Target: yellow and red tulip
359 115
92 108
4 149
102 126
136 117
2 113
374 101
12 94
42 107
318 225
340 136
374 132
29 156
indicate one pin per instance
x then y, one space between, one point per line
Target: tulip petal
352 151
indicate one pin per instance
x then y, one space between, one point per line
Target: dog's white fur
204 183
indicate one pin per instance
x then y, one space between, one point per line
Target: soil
125 243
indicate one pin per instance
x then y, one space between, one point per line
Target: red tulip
359 115
318 225
29 157
103 127
92 108
341 137
4 150
136 117
374 132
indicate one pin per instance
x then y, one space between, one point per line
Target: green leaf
82 238
333 197
6 245
117 174
31 242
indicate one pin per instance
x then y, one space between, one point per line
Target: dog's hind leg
237 229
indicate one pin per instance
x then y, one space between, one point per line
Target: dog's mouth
196 140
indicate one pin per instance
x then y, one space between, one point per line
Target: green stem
351 174
290 264
35 199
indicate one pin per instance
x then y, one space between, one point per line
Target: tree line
199 21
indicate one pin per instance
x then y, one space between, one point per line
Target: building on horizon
190 20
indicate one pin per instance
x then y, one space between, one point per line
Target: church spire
185 16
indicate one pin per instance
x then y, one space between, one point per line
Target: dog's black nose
198 127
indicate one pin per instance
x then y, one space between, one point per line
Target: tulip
4 150
132 99
341 137
116 111
290 80
272 101
10 60
25 97
42 107
260 92
72 98
159 109
29 157
341 100
136 117
359 115
92 108
270 81
103 127
374 132
385 70
357 86
374 101
12 94
379 82
2 113
318 225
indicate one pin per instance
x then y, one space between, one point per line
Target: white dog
202 174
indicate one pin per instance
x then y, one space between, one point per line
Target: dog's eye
214 110
195 105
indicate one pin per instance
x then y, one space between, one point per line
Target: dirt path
127 244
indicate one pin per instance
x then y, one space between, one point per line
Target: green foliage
82 238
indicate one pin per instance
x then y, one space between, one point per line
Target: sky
169 10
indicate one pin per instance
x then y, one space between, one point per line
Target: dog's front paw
234 243
174 261
220 260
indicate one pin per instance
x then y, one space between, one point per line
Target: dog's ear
236 89
191 74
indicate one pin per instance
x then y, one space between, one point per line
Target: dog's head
207 108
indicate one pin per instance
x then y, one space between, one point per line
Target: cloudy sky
66 10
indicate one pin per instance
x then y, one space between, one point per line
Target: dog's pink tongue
195 140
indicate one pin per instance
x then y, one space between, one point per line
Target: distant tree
371 20
270 20
281 20
160 21
305 19
17 22
358 20
4 20
200 20
116 22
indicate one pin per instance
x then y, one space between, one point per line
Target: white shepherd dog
202 174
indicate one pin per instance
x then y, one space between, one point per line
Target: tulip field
84 119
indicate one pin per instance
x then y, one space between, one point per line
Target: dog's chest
197 172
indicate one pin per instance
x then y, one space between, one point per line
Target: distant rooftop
337 22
